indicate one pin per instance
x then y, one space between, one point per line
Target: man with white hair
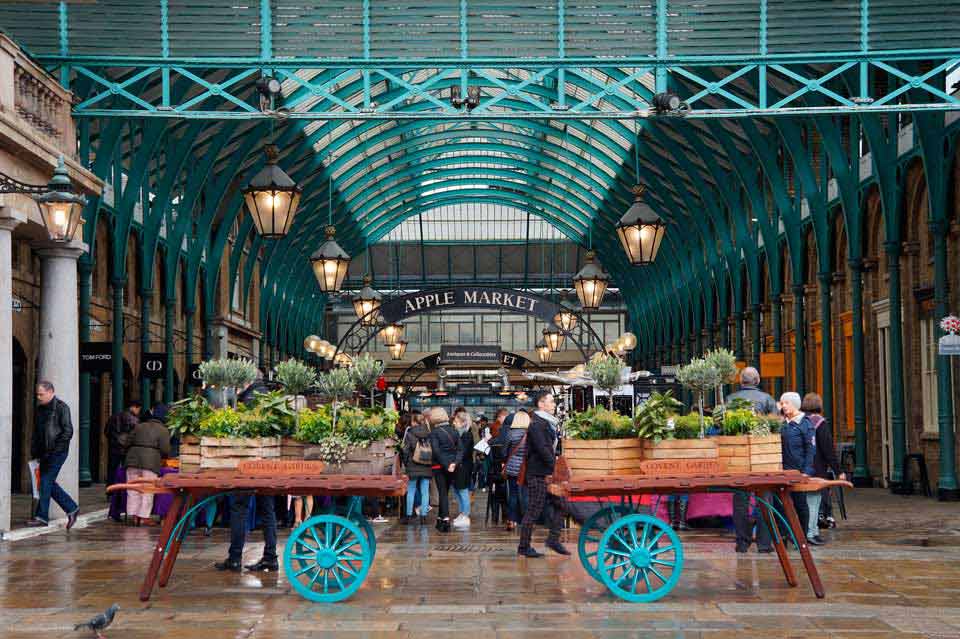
797 442
763 404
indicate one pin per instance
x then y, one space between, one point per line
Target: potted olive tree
295 377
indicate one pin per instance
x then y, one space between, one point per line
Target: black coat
825 457
541 447
53 430
446 446
410 438
465 466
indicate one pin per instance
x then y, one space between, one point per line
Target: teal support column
826 346
85 270
947 483
755 334
898 422
146 386
188 313
776 307
738 334
170 322
207 337
861 471
799 336
117 374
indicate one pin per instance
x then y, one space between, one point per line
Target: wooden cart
639 557
326 558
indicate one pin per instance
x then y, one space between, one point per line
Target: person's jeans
813 506
267 515
743 523
516 500
422 486
443 479
50 489
463 500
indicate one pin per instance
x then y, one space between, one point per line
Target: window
928 373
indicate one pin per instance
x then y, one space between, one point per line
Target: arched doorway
20 397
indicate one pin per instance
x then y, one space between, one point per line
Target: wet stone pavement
891 570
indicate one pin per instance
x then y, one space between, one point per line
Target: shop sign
96 357
194 378
17 305
474 389
502 299
772 365
153 365
478 354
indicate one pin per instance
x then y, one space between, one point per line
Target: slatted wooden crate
291 448
189 454
227 452
375 459
680 449
744 453
603 456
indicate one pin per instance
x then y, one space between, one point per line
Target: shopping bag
34 466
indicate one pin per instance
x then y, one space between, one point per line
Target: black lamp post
59 203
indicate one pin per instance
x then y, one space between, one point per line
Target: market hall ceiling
391 109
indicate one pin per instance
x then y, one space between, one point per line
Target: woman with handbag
513 439
463 476
445 447
418 460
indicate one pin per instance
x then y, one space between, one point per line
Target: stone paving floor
891 570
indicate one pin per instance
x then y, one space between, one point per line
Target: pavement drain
471 548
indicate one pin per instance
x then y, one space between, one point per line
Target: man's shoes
72 519
742 548
36 523
765 551
263 566
443 525
816 541
529 552
557 547
232 566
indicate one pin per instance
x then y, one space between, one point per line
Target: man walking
119 434
50 445
763 404
542 439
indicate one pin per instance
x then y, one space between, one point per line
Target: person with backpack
512 439
445 447
418 461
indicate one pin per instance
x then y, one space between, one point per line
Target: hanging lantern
629 341
60 207
566 320
553 338
312 343
367 302
330 263
391 334
397 350
343 360
272 197
591 283
641 230
544 352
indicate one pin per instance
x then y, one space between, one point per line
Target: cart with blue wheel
640 558
326 558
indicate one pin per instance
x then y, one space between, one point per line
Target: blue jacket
798 445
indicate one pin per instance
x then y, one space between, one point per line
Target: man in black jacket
50 445
542 440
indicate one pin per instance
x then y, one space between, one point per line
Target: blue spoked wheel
327 558
367 529
640 558
588 545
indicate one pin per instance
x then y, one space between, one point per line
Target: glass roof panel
473 222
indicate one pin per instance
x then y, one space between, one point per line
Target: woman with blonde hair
445 446
463 424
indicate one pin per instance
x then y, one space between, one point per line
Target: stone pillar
60 344
257 350
9 218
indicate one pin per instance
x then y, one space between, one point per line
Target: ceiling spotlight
668 103
472 101
268 86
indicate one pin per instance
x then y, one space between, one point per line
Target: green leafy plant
231 373
605 371
361 427
652 417
688 426
738 422
702 377
275 408
333 449
315 425
335 385
295 376
599 423
365 372
186 415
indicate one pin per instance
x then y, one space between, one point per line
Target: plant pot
603 456
680 457
750 453
227 452
222 396
375 459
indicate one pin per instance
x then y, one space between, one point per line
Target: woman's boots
443 525
677 512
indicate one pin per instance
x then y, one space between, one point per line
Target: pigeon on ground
100 622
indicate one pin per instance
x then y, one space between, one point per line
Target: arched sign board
500 299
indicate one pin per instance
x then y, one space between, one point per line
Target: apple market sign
500 299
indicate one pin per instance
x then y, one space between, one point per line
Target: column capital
69 250
825 278
10 218
856 265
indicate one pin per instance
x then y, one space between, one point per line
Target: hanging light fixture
553 338
272 197
629 341
60 205
367 302
544 352
591 283
397 350
312 343
566 320
330 262
641 231
343 359
391 333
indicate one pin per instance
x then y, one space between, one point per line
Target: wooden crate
375 459
603 456
744 453
189 454
680 449
227 452
291 448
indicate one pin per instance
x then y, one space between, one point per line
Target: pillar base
862 482
948 494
